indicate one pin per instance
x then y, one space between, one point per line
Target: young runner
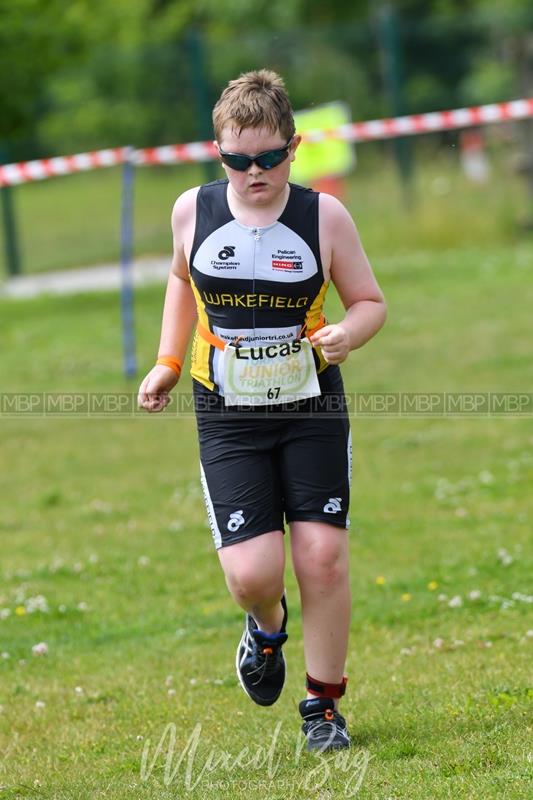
253 258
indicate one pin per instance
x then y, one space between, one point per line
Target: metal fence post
389 39
9 224
126 253
198 70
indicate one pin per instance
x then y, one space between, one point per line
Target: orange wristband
170 361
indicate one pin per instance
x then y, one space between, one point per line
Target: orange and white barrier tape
429 123
43 168
176 153
371 130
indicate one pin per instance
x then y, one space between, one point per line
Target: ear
217 148
296 140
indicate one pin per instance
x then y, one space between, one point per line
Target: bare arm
354 280
179 316
179 310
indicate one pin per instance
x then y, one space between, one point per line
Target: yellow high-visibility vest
327 158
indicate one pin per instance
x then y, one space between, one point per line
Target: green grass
104 518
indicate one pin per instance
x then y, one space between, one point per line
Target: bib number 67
273 392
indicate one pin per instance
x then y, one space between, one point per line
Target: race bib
269 374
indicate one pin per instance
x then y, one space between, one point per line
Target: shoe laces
267 660
325 723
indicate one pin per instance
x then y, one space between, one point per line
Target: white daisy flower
100 506
406 651
504 557
525 598
37 603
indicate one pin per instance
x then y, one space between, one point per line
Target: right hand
154 390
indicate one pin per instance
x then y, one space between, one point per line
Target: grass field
106 557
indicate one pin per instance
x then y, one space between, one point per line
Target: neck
260 215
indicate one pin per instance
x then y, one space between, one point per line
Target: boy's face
256 186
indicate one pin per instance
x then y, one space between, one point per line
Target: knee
251 587
325 564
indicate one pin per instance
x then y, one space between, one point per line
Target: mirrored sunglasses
267 160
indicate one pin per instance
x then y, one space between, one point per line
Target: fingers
151 399
153 394
141 395
328 335
333 341
154 402
157 402
334 356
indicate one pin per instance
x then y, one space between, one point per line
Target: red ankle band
320 689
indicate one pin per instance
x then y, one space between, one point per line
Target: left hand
334 341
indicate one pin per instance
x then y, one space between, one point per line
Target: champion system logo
228 251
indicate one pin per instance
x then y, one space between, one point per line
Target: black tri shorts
262 465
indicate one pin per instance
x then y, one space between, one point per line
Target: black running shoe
324 727
260 663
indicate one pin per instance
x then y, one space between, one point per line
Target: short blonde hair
256 99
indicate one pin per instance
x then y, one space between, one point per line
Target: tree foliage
77 74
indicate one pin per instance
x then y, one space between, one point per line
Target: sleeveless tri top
263 284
